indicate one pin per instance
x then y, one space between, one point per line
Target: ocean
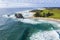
27 29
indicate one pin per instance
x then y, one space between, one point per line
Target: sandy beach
50 19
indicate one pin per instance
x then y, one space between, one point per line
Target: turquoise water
28 29
13 29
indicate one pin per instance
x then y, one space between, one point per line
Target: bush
37 14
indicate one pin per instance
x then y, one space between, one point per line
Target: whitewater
52 34
29 29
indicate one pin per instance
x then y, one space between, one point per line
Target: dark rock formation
19 15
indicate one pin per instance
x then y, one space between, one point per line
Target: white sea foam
28 21
45 35
10 16
32 21
27 14
5 16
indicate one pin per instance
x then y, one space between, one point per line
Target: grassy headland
48 13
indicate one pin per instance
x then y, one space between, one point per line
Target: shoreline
49 19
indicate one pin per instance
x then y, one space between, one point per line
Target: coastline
49 19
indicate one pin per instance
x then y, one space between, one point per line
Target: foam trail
45 35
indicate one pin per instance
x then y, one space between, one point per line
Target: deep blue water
12 29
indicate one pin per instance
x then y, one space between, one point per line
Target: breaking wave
29 29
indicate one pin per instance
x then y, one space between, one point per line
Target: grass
56 13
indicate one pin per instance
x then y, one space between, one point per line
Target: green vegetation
56 13
48 13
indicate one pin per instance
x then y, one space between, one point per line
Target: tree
37 14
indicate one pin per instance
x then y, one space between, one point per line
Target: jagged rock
19 15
